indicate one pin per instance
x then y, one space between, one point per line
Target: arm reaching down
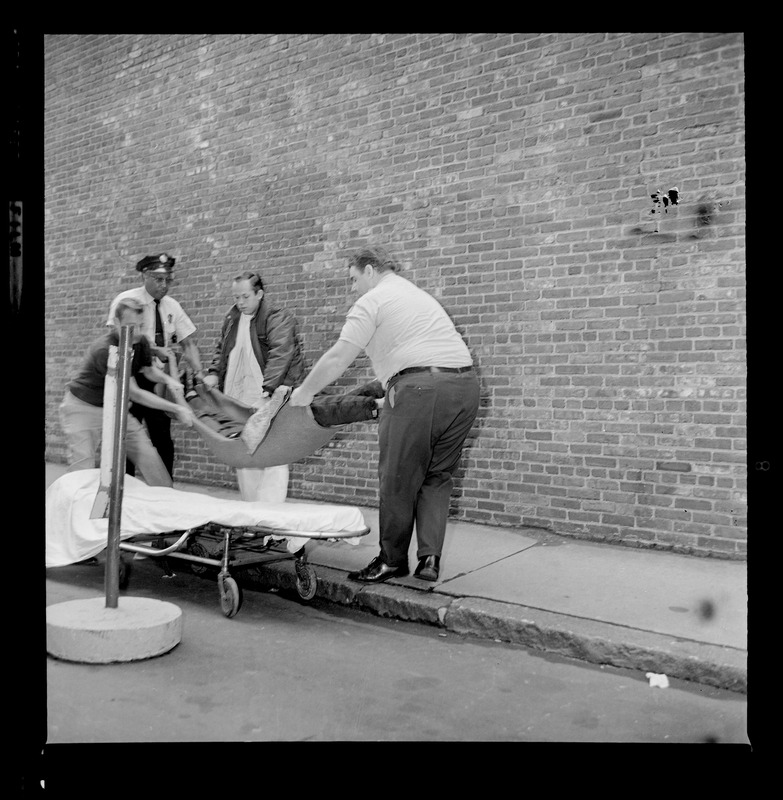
328 369
180 409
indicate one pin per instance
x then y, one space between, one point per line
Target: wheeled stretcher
207 531
226 548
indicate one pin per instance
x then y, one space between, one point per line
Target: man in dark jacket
257 352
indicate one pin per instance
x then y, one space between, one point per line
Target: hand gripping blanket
278 433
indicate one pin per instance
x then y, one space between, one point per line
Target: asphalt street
286 670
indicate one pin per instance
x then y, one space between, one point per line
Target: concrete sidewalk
653 611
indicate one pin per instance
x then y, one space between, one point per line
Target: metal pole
112 575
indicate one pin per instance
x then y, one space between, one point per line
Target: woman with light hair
81 411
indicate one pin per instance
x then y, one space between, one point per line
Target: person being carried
432 398
257 360
81 411
164 324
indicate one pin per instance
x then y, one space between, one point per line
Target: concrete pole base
89 632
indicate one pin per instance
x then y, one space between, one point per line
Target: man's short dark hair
253 277
376 257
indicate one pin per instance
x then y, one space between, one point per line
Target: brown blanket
296 432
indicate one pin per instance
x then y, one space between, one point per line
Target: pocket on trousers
410 399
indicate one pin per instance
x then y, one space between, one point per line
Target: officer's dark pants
158 427
423 426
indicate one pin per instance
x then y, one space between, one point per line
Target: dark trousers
421 432
158 425
159 429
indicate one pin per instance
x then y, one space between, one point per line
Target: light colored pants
244 383
268 485
82 425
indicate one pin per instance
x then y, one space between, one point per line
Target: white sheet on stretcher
72 536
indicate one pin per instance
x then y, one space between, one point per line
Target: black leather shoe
377 571
428 568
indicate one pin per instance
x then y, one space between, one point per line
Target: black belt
411 370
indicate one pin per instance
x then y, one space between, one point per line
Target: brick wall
511 175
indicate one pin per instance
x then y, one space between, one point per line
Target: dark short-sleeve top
88 382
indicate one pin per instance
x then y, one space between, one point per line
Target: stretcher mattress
72 536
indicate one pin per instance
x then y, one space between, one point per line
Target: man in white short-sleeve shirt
432 396
164 323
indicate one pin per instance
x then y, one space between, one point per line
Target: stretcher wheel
124 573
196 549
306 581
230 595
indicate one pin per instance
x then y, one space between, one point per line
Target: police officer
164 324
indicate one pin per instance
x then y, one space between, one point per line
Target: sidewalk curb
600 642
538 629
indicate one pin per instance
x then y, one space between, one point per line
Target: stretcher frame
239 547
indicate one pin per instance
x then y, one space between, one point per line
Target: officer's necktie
159 340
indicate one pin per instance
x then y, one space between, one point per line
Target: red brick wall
511 174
